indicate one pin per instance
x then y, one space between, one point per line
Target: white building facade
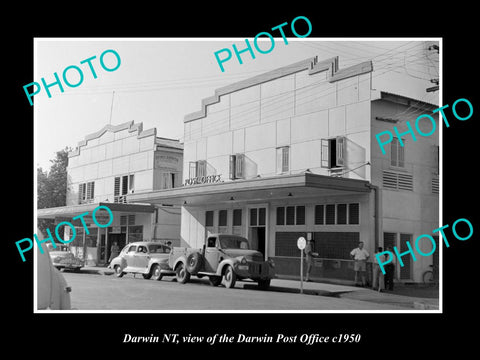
292 153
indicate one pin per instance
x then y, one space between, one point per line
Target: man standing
390 271
308 258
360 256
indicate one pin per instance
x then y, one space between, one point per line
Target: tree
52 186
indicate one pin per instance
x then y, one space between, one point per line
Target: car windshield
158 249
233 242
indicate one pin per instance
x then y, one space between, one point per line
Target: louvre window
397 181
197 169
123 185
280 215
435 185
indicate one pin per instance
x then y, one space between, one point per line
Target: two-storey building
105 167
292 152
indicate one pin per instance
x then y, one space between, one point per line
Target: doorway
120 239
257 229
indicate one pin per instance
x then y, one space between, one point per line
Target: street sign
301 243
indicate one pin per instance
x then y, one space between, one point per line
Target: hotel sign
210 179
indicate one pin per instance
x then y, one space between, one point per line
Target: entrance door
257 229
120 239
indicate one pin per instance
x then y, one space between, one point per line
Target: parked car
225 257
143 257
53 292
63 258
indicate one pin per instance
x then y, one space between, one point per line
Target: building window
258 216
341 214
330 214
135 233
283 163
319 213
86 192
237 217
222 218
237 166
333 152
291 215
168 180
209 218
123 185
354 214
397 153
197 168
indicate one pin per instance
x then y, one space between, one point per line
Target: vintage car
143 257
53 292
223 256
63 258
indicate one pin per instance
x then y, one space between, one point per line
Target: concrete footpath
410 297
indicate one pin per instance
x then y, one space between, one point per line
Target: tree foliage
52 186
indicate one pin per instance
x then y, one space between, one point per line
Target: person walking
378 277
360 257
114 252
389 271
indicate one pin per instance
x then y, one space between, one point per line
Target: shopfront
131 222
272 213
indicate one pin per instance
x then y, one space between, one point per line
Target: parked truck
223 256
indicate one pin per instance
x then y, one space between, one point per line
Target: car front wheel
118 271
182 274
156 273
230 277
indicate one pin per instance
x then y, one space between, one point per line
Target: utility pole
434 81
111 108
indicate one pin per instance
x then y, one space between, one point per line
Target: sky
160 80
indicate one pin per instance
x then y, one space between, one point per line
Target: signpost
301 242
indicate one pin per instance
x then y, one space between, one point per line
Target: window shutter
393 152
90 190
239 166
124 184
285 158
232 167
81 193
201 168
116 189
401 154
192 171
279 160
340 151
131 183
325 153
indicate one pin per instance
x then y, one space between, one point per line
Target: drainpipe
376 212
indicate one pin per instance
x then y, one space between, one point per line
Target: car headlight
57 259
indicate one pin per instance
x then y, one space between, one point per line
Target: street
95 291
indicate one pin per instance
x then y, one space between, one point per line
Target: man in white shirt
360 256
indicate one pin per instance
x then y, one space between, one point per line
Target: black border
382 334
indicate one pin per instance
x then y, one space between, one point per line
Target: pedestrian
114 252
308 259
360 257
378 278
389 271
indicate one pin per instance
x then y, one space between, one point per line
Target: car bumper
255 270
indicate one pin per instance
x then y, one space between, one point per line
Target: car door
142 258
130 256
211 254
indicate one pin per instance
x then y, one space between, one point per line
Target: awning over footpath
74 210
302 185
